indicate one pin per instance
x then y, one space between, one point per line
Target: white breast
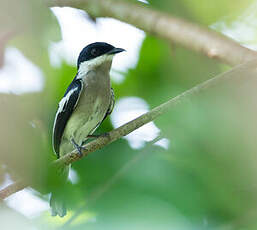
91 108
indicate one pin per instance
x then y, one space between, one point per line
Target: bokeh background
193 168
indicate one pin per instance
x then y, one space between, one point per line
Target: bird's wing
65 109
111 106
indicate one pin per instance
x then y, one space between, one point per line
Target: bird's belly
86 118
90 123
92 106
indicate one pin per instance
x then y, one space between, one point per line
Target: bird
88 100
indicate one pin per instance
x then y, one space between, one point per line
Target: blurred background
193 168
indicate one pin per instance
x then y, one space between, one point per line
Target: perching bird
88 100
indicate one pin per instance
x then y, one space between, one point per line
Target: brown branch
164 26
241 72
98 192
187 34
12 188
246 70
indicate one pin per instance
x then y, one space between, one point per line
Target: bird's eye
94 52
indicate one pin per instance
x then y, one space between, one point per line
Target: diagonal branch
182 32
98 192
10 189
240 72
244 71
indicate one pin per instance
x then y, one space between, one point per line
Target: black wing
65 109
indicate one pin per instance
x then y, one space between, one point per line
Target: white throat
92 64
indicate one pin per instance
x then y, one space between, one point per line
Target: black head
96 49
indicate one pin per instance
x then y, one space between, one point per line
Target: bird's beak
115 51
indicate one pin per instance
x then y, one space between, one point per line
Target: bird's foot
78 147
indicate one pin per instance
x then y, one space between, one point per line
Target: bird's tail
57 202
57 205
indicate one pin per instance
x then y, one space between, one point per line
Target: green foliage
204 180
203 11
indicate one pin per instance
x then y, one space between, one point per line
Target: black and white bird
88 100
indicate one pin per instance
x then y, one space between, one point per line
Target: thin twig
246 70
239 72
95 195
180 31
12 188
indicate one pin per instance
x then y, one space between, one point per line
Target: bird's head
97 54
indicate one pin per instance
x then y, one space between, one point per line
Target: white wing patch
63 103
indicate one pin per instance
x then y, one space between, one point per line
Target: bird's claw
78 147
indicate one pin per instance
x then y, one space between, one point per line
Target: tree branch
12 188
241 72
246 70
98 192
182 32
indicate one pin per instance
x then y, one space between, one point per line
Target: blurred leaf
205 180
203 11
164 71
23 137
208 11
